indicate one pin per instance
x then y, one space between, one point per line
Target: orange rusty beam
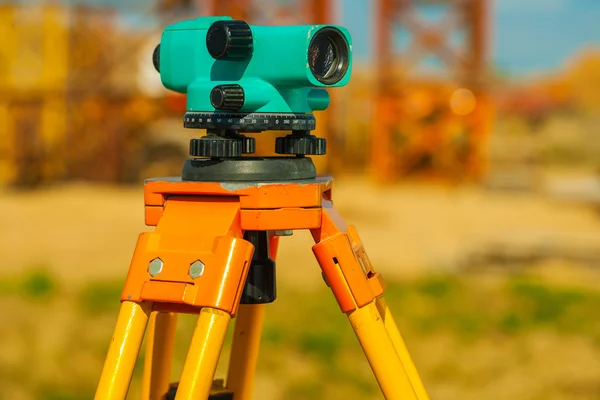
382 160
479 37
319 11
237 9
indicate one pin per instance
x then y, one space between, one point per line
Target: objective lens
328 56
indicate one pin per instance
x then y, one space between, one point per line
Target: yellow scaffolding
33 76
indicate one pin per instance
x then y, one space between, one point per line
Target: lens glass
328 56
322 55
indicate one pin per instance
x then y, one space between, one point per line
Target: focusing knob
217 146
227 97
229 40
300 145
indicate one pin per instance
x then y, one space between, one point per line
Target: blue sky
528 35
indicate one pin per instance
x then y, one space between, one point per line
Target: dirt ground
83 232
470 340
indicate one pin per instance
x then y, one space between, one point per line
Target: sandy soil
84 232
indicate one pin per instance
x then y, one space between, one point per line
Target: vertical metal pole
477 18
382 150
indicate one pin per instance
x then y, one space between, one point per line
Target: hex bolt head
155 267
196 269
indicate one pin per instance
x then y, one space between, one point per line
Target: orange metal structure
196 261
420 124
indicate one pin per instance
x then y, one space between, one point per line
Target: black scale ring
250 122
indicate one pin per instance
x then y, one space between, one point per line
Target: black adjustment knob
213 146
156 58
300 145
248 145
218 146
229 40
227 97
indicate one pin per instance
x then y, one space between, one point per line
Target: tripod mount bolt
287 232
196 269
155 267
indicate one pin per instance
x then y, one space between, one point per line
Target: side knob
229 40
227 97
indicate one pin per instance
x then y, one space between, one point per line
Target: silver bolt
287 232
196 269
155 267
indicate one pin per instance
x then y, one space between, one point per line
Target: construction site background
476 194
81 102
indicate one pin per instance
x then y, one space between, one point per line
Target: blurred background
466 151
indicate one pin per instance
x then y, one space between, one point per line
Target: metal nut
287 232
196 269
155 267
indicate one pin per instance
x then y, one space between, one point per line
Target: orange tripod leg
123 351
159 354
358 289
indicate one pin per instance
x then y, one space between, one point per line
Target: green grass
101 297
35 283
310 329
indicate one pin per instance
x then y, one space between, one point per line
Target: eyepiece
156 58
328 56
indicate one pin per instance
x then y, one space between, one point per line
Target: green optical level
253 78
241 78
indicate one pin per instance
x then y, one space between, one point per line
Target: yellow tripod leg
203 355
357 288
244 352
380 352
123 351
159 354
403 353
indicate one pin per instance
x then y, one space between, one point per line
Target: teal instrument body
258 69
